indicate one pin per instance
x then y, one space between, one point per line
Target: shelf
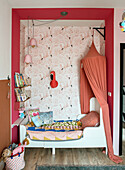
21 81
20 84
23 86
17 122
25 100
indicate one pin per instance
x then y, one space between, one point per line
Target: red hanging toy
53 82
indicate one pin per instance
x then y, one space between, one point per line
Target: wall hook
100 28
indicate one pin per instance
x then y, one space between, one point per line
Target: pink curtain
93 80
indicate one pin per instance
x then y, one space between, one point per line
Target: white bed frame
93 137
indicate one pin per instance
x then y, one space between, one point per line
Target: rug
117 167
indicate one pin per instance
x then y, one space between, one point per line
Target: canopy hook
98 29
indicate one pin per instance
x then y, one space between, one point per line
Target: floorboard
76 157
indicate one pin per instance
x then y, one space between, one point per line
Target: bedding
57 125
59 130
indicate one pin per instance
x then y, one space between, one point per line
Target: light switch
109 94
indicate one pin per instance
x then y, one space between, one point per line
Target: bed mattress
55 135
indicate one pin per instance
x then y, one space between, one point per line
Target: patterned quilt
59 130
57 125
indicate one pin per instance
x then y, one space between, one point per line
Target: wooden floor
34 157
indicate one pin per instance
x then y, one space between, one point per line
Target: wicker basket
16 162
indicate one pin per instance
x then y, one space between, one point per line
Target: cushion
32 112
43 118
47 117
90 120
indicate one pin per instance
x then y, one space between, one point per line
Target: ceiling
67 3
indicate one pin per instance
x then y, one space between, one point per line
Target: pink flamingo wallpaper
59 49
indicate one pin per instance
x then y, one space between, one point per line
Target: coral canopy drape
93 83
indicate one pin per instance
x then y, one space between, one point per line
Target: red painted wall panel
73 14
15 68
109 52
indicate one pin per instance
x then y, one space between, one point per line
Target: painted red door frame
54 13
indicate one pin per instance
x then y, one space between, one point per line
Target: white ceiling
67 3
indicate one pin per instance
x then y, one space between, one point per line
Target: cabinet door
4 114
